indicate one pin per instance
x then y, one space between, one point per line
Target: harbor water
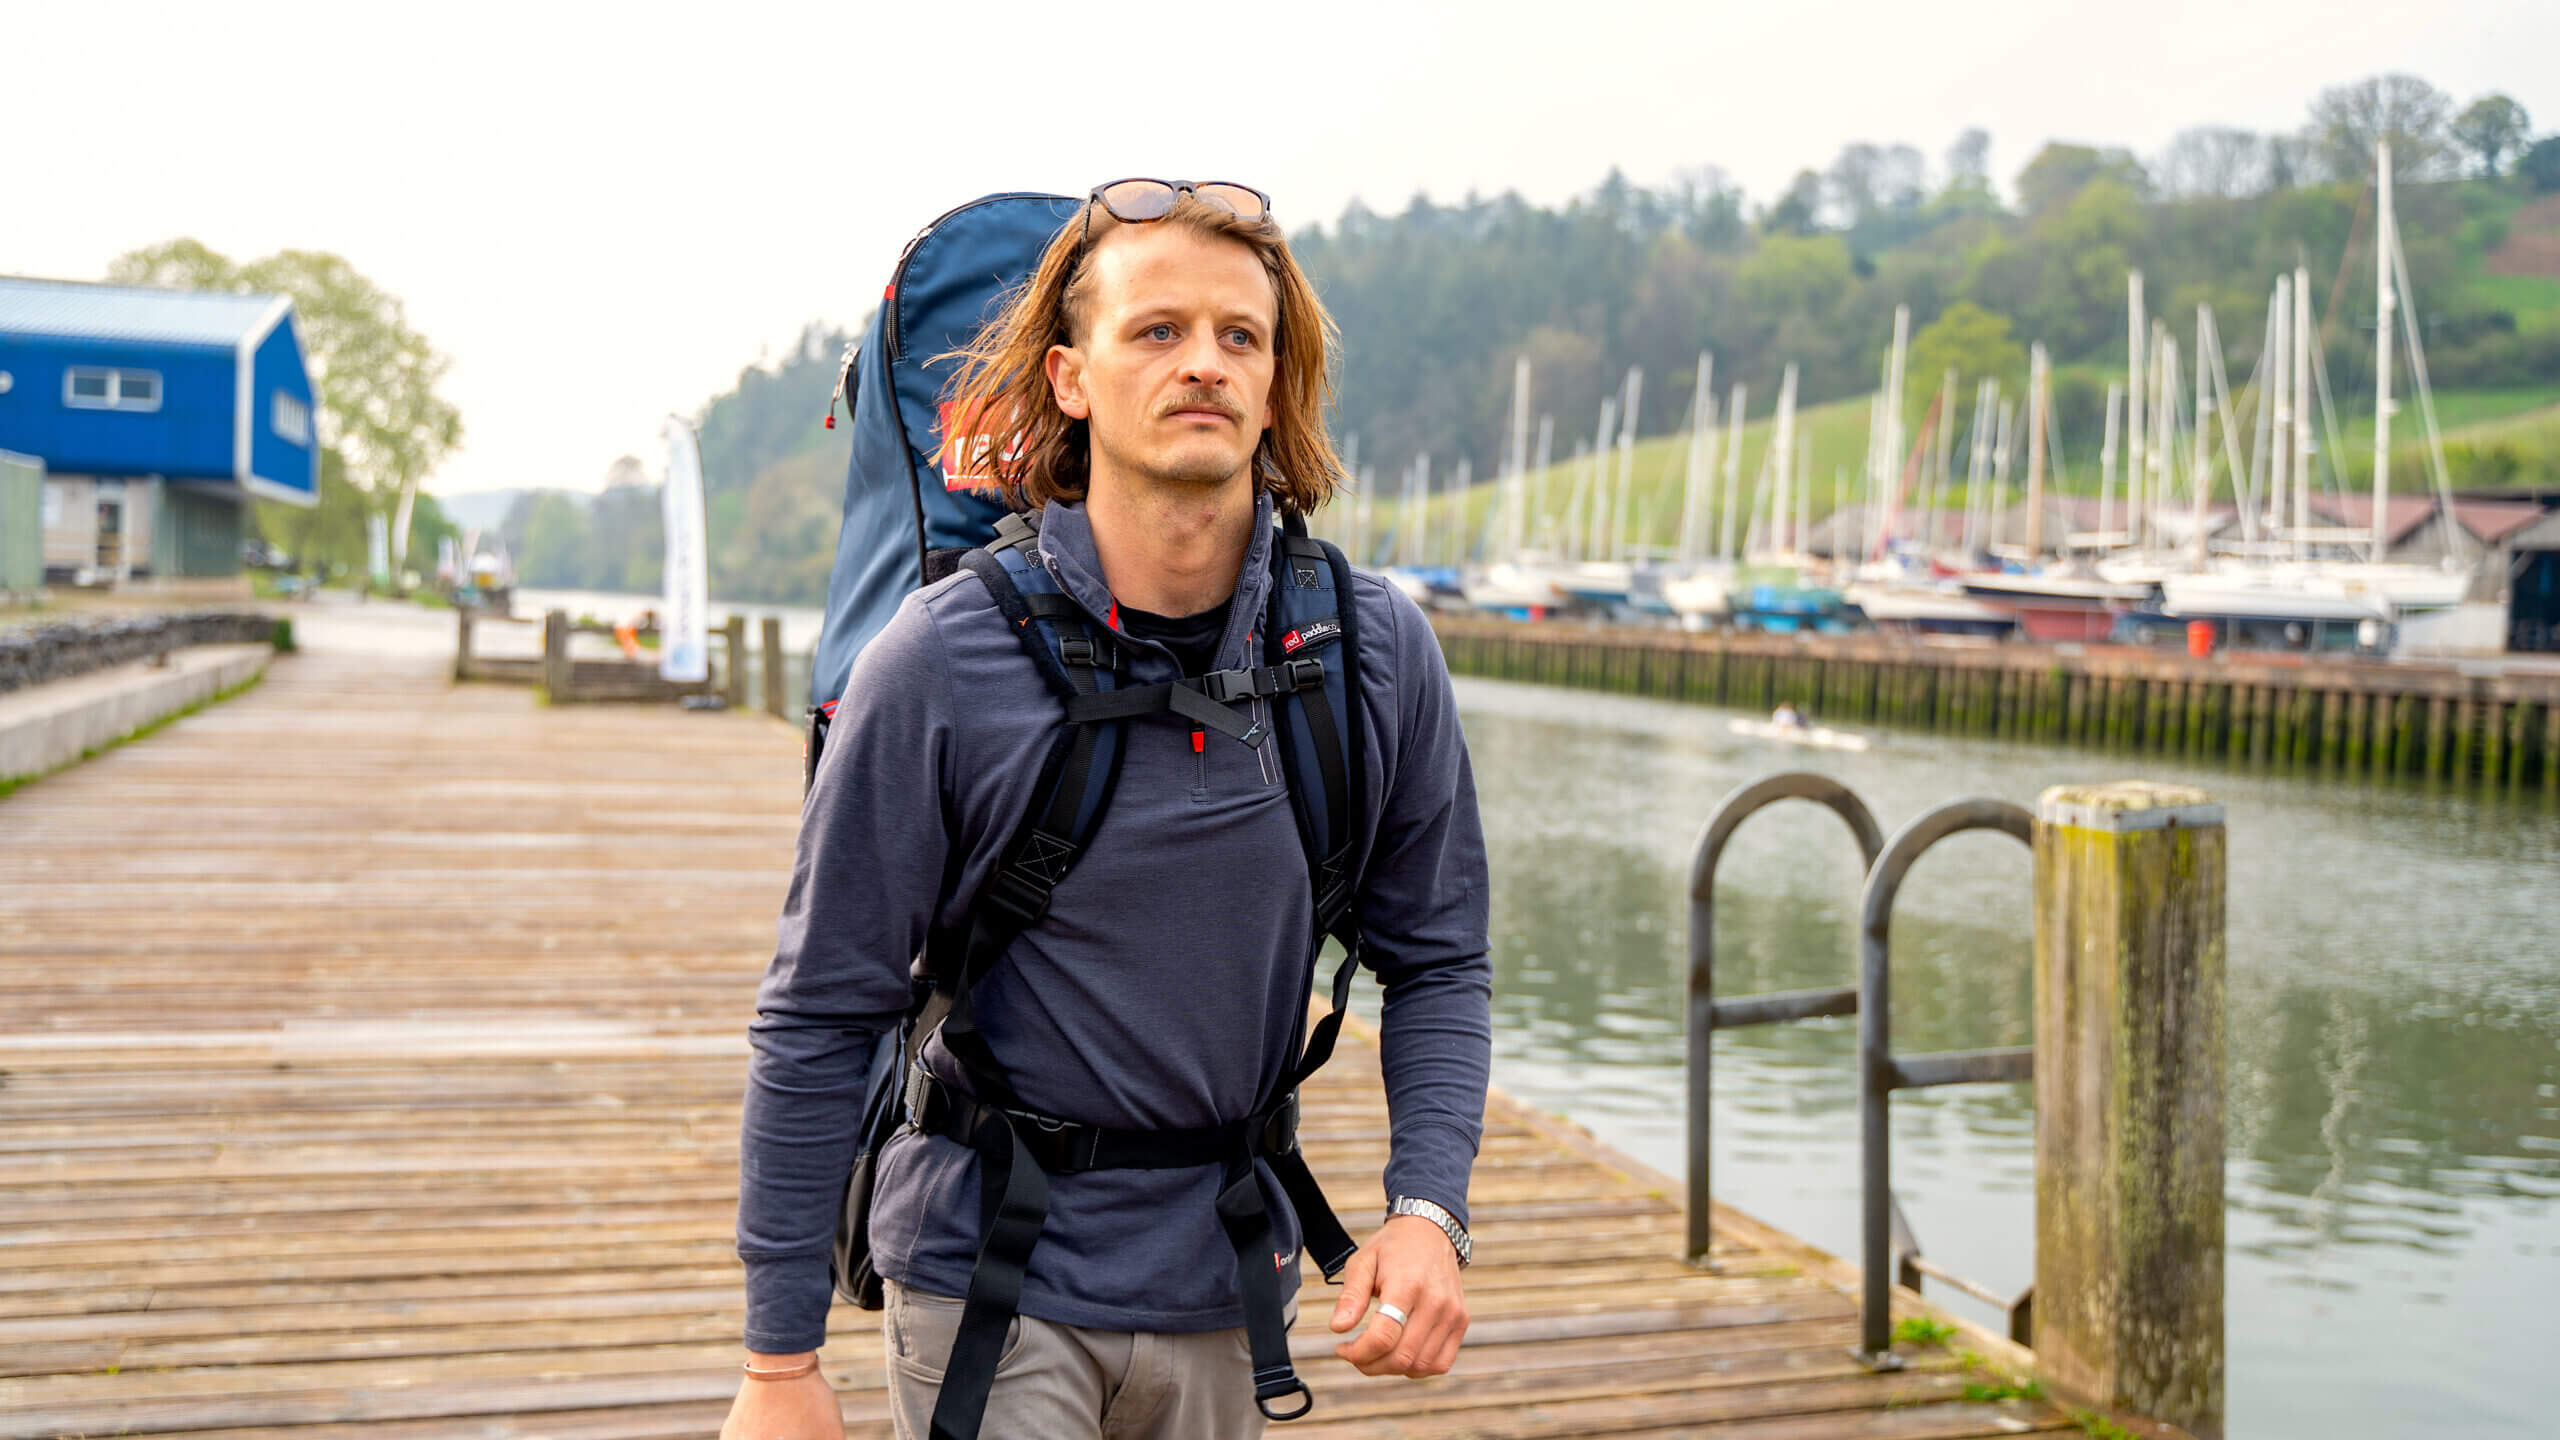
2393 1174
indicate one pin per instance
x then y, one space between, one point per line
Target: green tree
2540 164
1799 210
2413 115
2489 127
1971 341
375 375
2059 171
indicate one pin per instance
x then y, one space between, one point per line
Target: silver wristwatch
1448 1223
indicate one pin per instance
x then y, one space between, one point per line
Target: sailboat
1604 576
2062 602
1895 587
1772 589
1514 582
2317 593
1414 573
1699 588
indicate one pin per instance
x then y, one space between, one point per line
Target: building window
290 419
90 388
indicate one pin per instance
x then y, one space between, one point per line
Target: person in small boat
1789 716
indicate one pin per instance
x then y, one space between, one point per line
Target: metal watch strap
1459 1240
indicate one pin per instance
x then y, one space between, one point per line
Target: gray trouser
1058 1382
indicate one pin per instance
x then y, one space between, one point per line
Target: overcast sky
603 213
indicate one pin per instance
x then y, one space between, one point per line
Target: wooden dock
370 1061
2491 724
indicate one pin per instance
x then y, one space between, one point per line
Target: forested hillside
1437 300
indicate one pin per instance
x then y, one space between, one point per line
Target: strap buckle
1089 652
1266 1391
1228 686
1017 894
1305 674
1278 1133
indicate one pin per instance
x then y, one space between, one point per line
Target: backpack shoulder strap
1311 618
1068 801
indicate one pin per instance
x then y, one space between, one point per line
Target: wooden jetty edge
370 1062
2492 723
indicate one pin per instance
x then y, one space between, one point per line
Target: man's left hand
1409 1264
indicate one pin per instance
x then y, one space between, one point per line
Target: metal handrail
1881 1072
1706 1013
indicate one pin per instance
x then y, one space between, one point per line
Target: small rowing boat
1816 737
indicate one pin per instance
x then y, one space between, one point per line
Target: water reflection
2394 1010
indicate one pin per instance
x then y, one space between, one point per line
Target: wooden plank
475 1172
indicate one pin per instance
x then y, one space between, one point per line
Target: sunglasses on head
1137 201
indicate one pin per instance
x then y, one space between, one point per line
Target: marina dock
370 1065
2491 724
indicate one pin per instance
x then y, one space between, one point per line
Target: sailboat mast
2280 385
1888 466
1515 502
1546 449
1593 522
1946 450
2164 418
2137 386
2036 376
2302 443
2385 238
1785 462
2107 461
1461 487
1627 462
1702 439
1732 466
2201 468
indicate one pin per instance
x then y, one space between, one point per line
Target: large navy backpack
910 518
905 521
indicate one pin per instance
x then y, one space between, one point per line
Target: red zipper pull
1199 740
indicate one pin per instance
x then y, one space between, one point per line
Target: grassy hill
2480 427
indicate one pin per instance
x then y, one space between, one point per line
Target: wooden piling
2465 719
2551 752
555 654
734 631
774 669
2359 712
2493 746
2436 737
2129 1061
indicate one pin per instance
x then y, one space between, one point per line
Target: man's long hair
1039 454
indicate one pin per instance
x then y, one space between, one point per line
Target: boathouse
157 415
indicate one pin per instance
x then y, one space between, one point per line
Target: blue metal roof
118 312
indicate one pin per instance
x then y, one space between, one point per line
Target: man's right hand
801 1409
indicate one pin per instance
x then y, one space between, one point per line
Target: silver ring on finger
1391 1312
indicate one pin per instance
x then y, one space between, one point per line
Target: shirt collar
1066 538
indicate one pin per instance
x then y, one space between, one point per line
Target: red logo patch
969 461
1291 641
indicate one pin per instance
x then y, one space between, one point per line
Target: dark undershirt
1193 639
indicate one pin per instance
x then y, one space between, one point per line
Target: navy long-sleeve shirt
1161 989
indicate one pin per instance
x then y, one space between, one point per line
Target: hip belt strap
1018 1150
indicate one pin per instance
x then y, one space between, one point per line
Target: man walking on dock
1165 371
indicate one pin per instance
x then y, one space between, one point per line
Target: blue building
157 414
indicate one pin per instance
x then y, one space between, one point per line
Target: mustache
1201 400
